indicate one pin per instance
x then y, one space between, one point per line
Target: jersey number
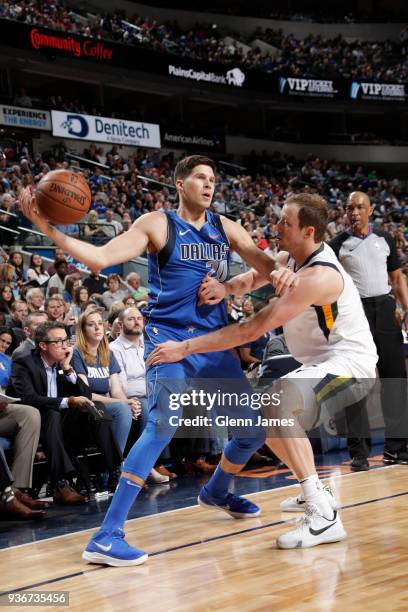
219 269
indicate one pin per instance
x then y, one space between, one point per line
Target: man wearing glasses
45 379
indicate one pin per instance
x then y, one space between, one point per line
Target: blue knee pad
240 450
146 450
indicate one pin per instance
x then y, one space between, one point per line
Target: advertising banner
104 129
312 88
52 44
394 92
193 140
31 118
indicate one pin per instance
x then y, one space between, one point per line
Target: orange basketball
63 196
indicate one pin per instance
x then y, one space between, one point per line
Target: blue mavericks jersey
176 272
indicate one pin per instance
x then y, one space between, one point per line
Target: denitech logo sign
105 129
86 48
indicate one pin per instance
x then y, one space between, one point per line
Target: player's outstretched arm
121 248
317 285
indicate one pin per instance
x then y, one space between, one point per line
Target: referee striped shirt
368 260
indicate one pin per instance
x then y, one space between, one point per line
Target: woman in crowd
81 299
37 271
6 347
71 282
129 301
20 274
7 272
95 363
6 297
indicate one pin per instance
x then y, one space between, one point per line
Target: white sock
313 492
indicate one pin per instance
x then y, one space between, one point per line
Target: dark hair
42 268
187 164
41 333
9 331
113 276
77 293
59 263
19 267
312 212
70 280
127 297
22 259
6 306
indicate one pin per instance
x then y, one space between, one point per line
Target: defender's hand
283 279
168 352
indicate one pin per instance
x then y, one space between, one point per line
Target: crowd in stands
292 10
312 56
55 305
129 186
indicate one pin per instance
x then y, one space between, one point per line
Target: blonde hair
56 297
7 272
103 352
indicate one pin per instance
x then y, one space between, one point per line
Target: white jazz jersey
337 333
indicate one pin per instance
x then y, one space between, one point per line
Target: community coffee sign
86 48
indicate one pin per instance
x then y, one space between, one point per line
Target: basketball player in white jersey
326 331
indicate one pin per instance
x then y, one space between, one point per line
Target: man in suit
19 311
30 324
65 405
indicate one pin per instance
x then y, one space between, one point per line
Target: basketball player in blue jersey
326 330
185 247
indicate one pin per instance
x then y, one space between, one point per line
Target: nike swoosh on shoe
102 547
317 532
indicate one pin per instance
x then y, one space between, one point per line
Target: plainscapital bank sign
234 76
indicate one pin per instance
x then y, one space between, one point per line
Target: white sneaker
297 504
313 529
155 477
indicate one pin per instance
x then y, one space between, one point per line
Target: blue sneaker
112 549
237 507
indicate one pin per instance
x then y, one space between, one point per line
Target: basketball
63 196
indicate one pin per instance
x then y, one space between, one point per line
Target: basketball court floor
204 560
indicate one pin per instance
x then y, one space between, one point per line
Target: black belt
376 299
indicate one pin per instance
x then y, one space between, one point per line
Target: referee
370 257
